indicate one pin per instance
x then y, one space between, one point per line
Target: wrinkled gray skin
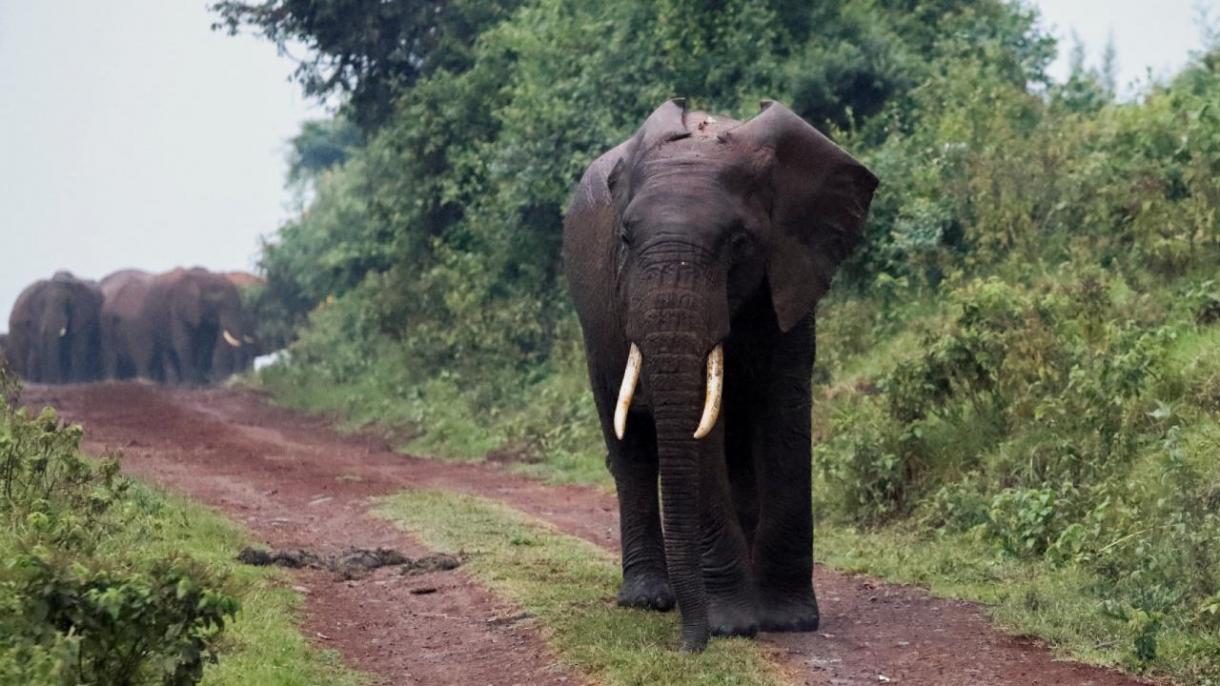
127 344
185 313
697 231
54 332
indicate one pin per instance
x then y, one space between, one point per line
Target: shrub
69 614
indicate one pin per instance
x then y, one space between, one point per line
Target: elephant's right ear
819 202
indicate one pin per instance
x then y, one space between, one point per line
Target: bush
72 615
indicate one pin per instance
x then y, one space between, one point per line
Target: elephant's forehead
704 125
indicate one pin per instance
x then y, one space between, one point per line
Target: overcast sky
131 135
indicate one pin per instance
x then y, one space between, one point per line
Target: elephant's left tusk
63 332
715 388
230 339
631 377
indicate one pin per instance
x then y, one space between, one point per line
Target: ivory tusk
715 387
63 332
230 339
631 377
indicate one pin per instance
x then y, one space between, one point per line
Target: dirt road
294 482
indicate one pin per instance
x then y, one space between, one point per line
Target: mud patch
352 563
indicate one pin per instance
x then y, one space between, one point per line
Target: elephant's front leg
633 463
783 542
732 601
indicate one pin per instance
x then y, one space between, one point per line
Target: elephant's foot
732 617
647 591
788 612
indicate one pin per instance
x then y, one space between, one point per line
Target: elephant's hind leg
783 543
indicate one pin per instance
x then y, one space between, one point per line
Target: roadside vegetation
569 586
107 581
1018 375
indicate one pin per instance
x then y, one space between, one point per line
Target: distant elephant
128 345
227 359
53 331
190 313
696 252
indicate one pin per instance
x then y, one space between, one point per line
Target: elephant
695 253
188 314
54 334
127 344
228 360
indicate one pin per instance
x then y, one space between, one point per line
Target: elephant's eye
740 243
624 233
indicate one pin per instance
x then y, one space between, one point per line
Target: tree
367 51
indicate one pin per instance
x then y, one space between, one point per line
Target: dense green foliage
1020 363
75 616
97 586
440 238
367 51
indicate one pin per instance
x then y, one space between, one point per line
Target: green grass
570 585
263 646
1030 598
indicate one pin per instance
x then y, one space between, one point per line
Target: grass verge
262 646
1023 597
569 585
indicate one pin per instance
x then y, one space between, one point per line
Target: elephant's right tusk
631 377
63 332
230 338
715 388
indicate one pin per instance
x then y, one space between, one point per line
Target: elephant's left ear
819 203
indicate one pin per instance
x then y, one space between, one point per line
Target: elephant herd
186 326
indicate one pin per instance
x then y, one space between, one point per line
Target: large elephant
695 253
189 313
128 345
53 331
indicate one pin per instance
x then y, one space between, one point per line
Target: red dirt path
296 483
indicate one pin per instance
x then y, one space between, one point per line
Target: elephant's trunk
54 349
677 325
676 382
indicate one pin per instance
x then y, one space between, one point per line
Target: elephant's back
111 283
588 226
245 279
123 293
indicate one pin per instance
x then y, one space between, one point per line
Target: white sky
131 135
1148 34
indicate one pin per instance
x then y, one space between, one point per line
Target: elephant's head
711 213
210 304
67 328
